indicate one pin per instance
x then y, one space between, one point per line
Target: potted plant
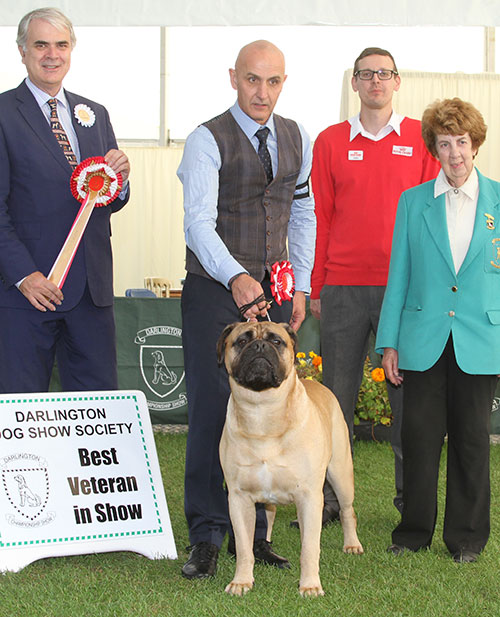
373 415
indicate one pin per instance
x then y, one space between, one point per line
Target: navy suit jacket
37 208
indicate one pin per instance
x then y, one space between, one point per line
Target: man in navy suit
37 319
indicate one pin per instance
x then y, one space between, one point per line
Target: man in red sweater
360 167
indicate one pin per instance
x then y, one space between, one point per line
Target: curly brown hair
452 117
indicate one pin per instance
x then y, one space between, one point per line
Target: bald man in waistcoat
246 195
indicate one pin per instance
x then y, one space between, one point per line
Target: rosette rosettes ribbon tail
282 281
94 183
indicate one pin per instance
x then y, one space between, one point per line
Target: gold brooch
490 221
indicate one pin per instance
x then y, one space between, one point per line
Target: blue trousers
82 339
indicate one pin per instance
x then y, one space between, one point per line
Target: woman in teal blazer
440 326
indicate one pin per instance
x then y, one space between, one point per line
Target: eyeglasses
383 74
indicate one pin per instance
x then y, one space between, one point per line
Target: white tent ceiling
263 12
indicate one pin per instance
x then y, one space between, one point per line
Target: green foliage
373 402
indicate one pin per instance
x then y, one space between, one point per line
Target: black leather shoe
398 549
262 552
202 561
330 515
465 556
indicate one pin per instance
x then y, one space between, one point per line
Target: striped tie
60 134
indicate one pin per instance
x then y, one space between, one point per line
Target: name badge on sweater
355 155
402 150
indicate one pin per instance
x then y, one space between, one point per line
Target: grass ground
376 584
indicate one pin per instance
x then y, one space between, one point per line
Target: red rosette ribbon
282 281
95 175
95 184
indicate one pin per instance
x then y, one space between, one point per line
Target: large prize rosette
95 184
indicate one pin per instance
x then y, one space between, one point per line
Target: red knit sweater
356 188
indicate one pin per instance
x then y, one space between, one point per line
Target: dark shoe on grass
202 561
263 553
398 549
465 556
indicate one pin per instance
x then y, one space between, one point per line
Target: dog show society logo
162 366
25 481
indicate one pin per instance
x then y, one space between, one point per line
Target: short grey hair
55 18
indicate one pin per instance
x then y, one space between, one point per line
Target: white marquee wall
263 12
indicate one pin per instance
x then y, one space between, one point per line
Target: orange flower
317 361
378 374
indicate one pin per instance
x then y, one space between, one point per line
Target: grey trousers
349 316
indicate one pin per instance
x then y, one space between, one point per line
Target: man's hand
315 308
118 161
298 310
41 293
390 366
245 289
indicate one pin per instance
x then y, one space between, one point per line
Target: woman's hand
390 366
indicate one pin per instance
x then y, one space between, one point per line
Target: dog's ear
221 343
293 336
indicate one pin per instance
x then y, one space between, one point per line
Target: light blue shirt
199 174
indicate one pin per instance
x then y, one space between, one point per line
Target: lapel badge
84 115
490 221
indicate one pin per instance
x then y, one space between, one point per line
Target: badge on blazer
496 248
490 221
84 115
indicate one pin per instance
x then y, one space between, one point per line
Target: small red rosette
95 175
282 281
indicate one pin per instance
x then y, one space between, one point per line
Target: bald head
265 48
258 77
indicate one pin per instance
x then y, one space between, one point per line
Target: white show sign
79 474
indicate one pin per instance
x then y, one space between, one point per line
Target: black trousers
207 308
445 400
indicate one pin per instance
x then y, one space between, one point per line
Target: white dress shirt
461 204
394 124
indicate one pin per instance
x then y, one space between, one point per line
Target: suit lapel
33 115
435 218
487 203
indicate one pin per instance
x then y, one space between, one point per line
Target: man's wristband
233 278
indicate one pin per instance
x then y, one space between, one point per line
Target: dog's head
258 355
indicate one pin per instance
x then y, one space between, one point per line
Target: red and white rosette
282 281
95 175
95 184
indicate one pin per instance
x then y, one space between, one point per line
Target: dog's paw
311 591
355 549
238 589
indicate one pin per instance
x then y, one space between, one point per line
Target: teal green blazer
426 300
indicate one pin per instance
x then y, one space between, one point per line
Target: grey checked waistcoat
252 216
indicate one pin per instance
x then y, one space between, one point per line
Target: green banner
150 357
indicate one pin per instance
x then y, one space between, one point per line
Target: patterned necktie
60 134
263 152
